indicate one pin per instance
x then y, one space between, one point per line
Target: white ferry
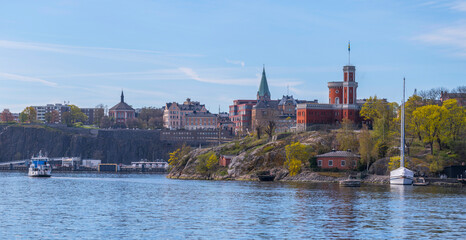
40 166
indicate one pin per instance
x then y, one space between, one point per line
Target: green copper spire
263 93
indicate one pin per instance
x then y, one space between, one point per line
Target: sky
87 52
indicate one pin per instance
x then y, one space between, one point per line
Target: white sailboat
402 175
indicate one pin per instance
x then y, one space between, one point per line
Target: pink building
122 111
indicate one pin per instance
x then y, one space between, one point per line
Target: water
137 206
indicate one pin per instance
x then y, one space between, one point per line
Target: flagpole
349 54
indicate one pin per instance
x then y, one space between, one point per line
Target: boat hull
401 180
401 176
350 183
40 173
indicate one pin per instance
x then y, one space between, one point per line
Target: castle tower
263 93
349 85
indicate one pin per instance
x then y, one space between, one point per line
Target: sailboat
402 175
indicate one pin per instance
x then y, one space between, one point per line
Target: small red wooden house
343 160
225 160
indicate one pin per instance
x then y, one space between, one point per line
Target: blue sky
86 52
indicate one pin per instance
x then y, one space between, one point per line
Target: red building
122 111
343 160
225 160
342 103
241 114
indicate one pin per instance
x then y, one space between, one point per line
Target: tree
430 118
367 147
98 115
77 115
394 163
29 114
6 116
177 155
52 117
106 122
258 131
453 120
151 117
270 128
295 155
346 136
384 118
66 119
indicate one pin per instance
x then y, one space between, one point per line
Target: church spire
263 93
122 96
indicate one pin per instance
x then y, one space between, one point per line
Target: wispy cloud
236 62
96 52
452 37
20 78
459 6
191 74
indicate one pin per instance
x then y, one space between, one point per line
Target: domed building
122 111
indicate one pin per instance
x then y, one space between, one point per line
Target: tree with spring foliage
430 119
296 154
177 155
29 114
346 137
367 147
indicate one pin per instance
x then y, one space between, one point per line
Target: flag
348 46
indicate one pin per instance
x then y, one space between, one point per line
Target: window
343 163
330 162
337 100
337 91
319 163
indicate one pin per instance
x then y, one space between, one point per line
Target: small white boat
402 175
40 166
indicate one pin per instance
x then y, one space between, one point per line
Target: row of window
330 163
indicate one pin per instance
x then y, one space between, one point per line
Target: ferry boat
40 166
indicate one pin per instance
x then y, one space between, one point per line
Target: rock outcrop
115 146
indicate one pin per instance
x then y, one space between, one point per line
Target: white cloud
96 52
236 62
190 73
21 78
452 37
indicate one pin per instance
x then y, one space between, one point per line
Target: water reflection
116 206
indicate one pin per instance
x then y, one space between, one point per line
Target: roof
266 104
200 114
338 154
122 105
264 87
286 99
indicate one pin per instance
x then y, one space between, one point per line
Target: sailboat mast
402 157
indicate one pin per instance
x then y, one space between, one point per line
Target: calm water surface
137 206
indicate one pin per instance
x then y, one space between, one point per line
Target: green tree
384 120
394 163
296 153
346 137
453 120
177 155
430 119
29 114
77 115
367 147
